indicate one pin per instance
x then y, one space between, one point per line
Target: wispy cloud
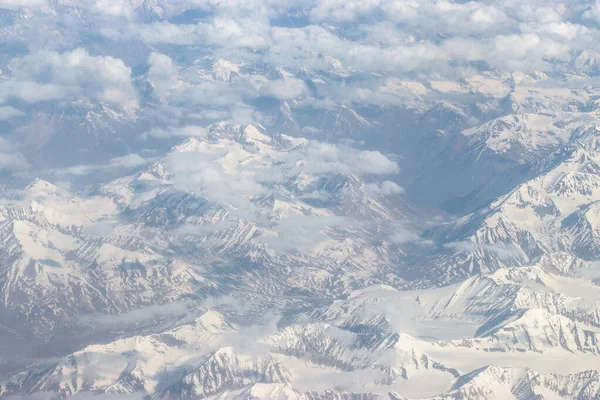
139 315
127 162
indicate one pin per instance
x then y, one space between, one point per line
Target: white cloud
563 30
175 308
284 89
201 229
301 233
186 131
12 162
17 4
198 173
227 32
124 162
29 91
593 13
325 158
10 158
100 228
162 74
7 112
428 36
402 232
114 8
343 10
48 75
373 162
526 48
128 161
386 188
155 33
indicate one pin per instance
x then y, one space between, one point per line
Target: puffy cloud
343 10
402 235
237 176
48 75
444 16
373 162
198 173
526 51
17 4
386 188
128 161
162 73
29 91
284 89
326 158
219 32
226 32
593 13
114 8
392 37
155 33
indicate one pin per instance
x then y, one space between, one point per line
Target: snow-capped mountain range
299 200
204 231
